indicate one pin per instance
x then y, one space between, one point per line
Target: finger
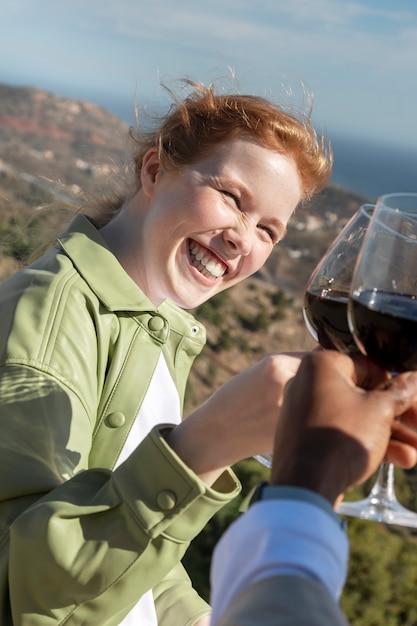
357 369
409 417
322 361
401 432
367 374
401 454
396 396
401 391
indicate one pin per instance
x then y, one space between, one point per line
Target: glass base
379 510
265 459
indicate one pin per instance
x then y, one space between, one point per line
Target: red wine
326 319
385 325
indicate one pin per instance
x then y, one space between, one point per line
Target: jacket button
116 419
156 323
166 500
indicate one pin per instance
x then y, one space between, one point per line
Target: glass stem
383 488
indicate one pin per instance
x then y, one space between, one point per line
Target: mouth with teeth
207 264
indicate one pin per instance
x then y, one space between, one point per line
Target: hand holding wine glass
382 317
325 312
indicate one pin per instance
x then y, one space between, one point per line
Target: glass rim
386 200
368 208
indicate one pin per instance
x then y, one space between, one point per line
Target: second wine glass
382 316
325 313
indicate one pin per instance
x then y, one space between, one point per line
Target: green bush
225 340
20 239
210 311
259 321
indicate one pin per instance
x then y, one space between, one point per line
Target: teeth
206 265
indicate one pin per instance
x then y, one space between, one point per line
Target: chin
190 303
187 305
190 299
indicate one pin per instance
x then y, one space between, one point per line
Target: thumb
396 397
401 391
402 446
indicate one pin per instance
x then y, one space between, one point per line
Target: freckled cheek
211 215
262 254
255 261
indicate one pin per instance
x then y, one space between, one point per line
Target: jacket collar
98 266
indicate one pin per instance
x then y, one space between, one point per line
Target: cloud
306 31
305 27
340 12
349 52
129 18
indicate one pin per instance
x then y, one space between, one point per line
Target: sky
357 58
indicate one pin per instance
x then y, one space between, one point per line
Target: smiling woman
98 324
231 207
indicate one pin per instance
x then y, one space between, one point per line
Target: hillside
53 148
65 141
58 149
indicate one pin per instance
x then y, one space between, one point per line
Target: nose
239 239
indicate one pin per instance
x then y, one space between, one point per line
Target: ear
150 168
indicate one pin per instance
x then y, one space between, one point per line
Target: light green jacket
80 543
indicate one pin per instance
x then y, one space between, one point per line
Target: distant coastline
373 168
365 166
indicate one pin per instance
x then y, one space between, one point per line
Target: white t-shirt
160 405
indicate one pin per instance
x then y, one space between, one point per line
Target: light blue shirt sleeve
290 531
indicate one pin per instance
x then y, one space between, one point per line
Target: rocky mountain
52 148
56 137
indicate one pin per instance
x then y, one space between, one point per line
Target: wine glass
382 317
325 313
327 291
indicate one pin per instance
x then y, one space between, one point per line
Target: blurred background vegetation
53 150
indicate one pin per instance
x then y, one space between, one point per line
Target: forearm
98 534
177 602
236 422
190 443
205 621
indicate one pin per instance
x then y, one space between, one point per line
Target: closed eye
233 196
270 233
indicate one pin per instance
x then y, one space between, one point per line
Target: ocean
373 168
368 166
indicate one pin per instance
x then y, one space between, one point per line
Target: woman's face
214 223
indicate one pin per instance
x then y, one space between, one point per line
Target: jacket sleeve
85 544
283 601
176 601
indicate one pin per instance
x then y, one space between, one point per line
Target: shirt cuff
283 492
280 536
